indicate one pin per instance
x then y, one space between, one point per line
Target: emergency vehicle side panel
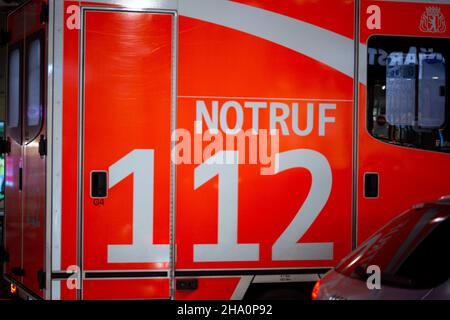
25 167
241 65
244 215
302 216
66 256
13 133
236 64
33 159
68 253
126 112
406 175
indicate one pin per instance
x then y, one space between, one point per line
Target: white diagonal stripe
317 43
241 288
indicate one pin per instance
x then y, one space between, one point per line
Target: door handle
371 185
99 184
20 178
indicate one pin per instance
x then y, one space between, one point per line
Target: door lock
99 184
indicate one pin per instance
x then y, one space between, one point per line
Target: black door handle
20 178
99 184
371 185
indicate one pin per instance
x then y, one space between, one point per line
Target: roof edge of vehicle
442 200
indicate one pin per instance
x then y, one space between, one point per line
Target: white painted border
48 159
56 290
56 138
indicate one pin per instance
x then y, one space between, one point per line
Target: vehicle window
429 264
410 251
14 87
34 102
400 90
431 113
407 100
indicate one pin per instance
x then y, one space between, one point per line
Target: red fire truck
211 149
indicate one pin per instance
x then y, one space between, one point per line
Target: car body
409 256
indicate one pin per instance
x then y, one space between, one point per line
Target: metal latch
43 146
41 278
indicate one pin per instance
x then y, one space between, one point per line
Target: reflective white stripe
48 162
363 64
317 43
241 288
57 136
56 290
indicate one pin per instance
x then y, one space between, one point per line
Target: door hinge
5 37
44 13
18 271
187 284
5 146
4 255
41 278
43 146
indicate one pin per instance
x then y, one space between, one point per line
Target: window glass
400 89
407 100
14 89
33 90
431 90
428 266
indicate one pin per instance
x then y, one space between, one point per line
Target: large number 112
140 163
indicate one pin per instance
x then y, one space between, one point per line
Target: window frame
370 84
15 133
35 130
